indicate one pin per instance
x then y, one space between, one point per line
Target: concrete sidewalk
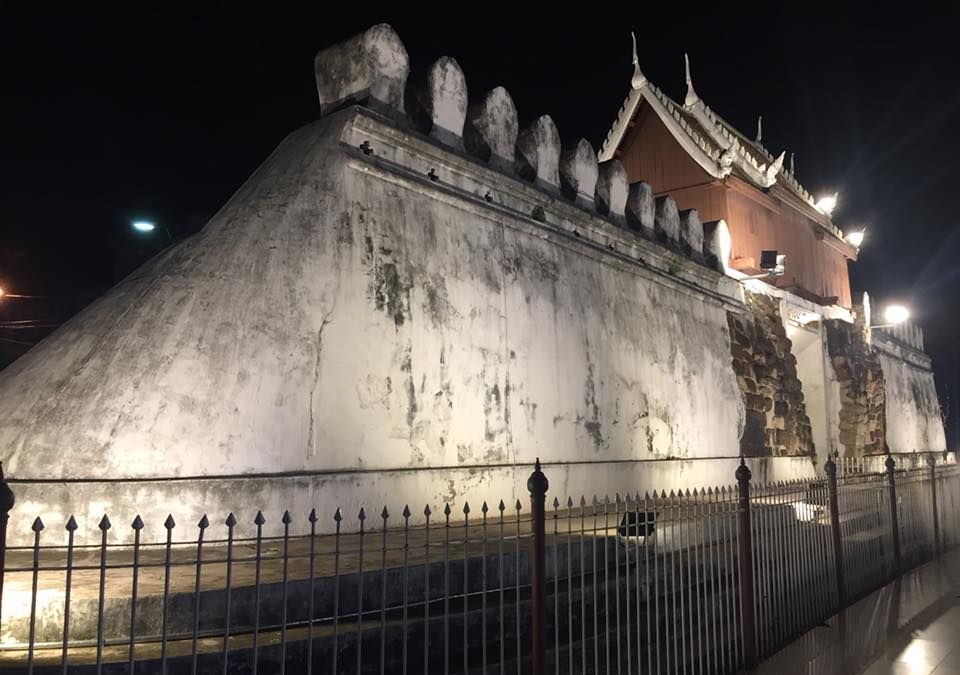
909 627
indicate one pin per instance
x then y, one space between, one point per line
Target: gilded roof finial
760 129
793 171
691 98
638 81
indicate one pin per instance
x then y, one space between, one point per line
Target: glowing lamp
2 292
855 238
827 204
143 226
894 314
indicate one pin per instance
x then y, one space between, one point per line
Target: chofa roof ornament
639 80
691 98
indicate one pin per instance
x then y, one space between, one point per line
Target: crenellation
491 129
640 209
370 69
578 172
691 234
667 220
447 102
716 244
538 153
611 191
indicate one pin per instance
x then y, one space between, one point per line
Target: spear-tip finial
537 484
743 473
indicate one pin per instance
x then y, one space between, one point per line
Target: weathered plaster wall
914 423
346 313
858 390
809 350
776 418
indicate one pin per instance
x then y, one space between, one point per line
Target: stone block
786 438
848 438
754 439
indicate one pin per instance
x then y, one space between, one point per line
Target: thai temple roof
715 144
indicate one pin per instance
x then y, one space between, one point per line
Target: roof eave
669 114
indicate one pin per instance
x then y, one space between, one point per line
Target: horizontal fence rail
698 581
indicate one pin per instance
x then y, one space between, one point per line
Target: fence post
745 564
538 484
932 462
831 469
894 520
6 505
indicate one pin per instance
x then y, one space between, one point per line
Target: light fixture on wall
827 203
894 315
855 238
773 264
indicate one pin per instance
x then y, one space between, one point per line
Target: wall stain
391 293
592 425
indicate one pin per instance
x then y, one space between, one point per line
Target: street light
855 238
4 294
894 315
827 203
148 226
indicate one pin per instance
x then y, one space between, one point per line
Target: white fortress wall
407 303
914 422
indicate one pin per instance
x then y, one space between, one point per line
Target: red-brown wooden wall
758 219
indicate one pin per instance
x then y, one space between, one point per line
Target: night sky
110 115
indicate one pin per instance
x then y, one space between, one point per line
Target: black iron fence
691 581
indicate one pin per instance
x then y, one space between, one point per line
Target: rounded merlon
491 129
369 68
538 153
578 172
447 101
612 189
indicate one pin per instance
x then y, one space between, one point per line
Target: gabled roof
715 144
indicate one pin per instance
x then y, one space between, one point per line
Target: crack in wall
311 447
